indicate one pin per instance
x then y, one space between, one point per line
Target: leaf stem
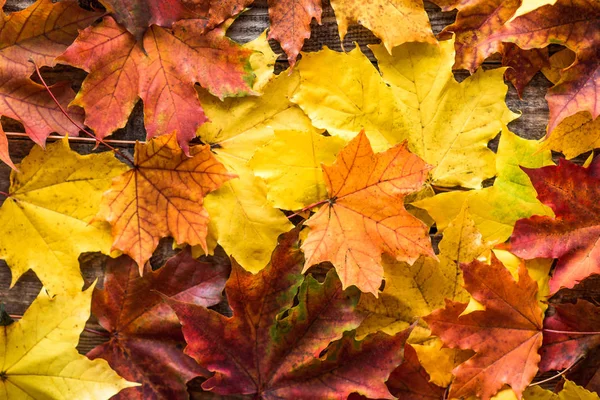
564 371
570 332
4 194
95 332
81 128
308 208
76 139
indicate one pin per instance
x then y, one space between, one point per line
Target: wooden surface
531 125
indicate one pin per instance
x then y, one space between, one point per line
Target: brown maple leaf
505 336
39 33
365 215
146 342
576 25
572 235
164 77
161 196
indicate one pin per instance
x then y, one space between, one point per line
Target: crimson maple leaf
562 350
146 343
505 336
272 355
572 235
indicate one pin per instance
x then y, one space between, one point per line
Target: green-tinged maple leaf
39 33
365 215
572 235
575 24
260 351
562 350
242 219
38 358
162 196
162 74
446 123
505 336
146 343
47 218
496 209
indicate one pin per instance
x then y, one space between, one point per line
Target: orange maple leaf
161 196
505 336
365 214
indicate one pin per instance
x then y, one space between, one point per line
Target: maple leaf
161 196
38 33
365 214
39 359
571 235
290 23
243 220
278 356
417 100
146 340
382 16
290 164
52 200
505 336
440 361
496 209
410 381
562 350
164 77
562 23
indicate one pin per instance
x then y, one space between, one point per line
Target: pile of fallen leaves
303 203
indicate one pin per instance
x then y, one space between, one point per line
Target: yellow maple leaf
290 164
238 127
447 123
38 358
570 391
47 218
393 21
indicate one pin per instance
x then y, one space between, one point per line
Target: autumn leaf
439 361
163 75
570 391
575 135
52 200
39 33
39 359
146 342
290 23
382 18
571 235
410 381
562 350
423 104
562 23
496 209
524 64
290 164
278 357
505 336
365 215
162 196
243 220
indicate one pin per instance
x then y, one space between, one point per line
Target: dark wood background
531 125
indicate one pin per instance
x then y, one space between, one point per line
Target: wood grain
248 26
